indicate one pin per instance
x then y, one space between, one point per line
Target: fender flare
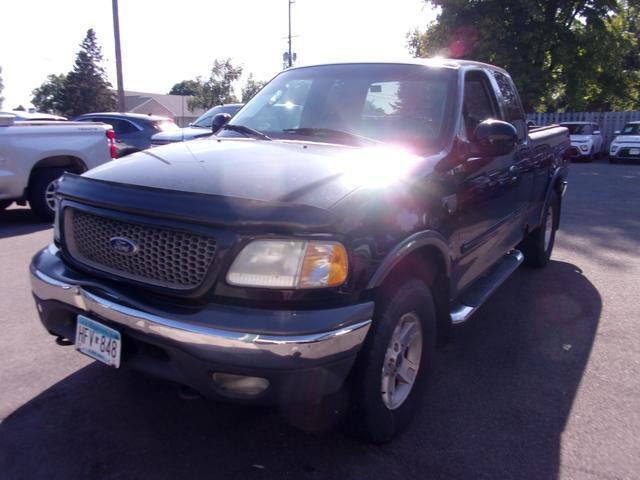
559 175
406 247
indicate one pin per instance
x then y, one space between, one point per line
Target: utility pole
116 34
290 58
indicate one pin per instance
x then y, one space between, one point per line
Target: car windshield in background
631 129
355 104
204 120
165 126
577 129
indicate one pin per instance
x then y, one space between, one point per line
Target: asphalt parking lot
544 382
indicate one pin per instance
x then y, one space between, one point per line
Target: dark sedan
133 130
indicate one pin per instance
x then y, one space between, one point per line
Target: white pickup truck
34 154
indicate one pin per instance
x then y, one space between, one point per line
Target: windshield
578 128
204 120
355 104
631 129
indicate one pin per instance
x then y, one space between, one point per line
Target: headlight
290 264
584 148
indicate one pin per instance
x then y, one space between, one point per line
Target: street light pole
290 57
116 34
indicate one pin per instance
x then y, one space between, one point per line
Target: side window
93 120
511 109
479 103
122 126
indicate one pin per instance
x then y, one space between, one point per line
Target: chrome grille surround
161 257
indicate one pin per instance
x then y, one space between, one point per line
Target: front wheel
591 156
42 190
392 368
538 245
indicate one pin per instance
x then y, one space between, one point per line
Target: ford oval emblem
123 246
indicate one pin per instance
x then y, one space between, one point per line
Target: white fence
609 121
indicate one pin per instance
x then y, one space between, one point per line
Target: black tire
40 182
589 157
5 204
370 418
537 251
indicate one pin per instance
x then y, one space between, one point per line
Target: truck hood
312 174
186 133
581 138
620 139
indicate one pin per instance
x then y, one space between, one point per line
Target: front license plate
634 151
98 341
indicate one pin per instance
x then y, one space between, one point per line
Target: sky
166 41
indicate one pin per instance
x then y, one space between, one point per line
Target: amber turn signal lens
325 264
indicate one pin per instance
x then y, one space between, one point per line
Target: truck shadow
20 221
499 400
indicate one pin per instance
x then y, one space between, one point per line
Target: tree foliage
48 97
251 87
562 54
86 87
186 88
218 88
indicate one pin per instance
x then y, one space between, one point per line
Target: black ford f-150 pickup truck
325 240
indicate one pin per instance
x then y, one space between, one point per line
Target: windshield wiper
329 133
247 131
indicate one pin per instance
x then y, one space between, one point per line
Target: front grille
625 152
153 255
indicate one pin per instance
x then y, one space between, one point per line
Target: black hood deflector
205 209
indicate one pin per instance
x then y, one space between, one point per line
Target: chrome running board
485 286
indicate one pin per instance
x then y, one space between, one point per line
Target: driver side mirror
219 121
493 138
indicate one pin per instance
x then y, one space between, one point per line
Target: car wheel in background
591 156
42 192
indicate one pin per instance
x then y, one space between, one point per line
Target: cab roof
436 62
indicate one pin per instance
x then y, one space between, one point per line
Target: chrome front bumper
205 341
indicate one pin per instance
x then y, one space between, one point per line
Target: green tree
186 88
1 88
48 97
561 54
218 89
86 88
251 87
